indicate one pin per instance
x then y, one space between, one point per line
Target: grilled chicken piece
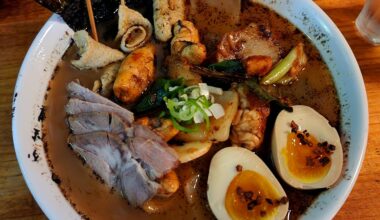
101 151
249 123
135 74
186 44
92 53
165 14
88 122
134 29
249 41
257 65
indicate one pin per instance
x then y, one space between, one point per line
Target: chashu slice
92 53
88 122
134 182
157 156
102 153
76 106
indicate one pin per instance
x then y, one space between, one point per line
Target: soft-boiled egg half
241 186
306 149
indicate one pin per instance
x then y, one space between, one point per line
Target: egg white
318 126
222 172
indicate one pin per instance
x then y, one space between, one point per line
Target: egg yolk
252 196
307 159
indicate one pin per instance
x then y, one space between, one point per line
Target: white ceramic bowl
53 39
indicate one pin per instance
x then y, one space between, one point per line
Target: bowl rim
55 20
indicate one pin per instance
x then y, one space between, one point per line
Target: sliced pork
77 106
87 122
101 151
77 91
157 156
134 183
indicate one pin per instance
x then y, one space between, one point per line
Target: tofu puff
134 30
92 53
135 74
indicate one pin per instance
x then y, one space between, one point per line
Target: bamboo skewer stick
122 2
92 20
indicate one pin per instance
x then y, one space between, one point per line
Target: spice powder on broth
94 200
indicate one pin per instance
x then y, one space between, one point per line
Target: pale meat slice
101 151
76 106
77 91
88 122
92 53
247 42
157 156
134 183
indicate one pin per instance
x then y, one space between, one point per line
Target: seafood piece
185 43
249 41
134 29
257 65
161 126
135 74
93 54
249 124
169 184
165 14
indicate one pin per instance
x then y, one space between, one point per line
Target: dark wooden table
20 21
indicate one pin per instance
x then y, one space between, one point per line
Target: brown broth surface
94 200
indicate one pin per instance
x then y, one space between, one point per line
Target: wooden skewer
92 20
122 2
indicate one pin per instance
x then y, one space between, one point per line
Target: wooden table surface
20 20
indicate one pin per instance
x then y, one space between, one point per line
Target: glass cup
368 21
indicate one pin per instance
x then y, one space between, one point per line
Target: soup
89 194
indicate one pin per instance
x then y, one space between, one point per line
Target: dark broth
94 200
